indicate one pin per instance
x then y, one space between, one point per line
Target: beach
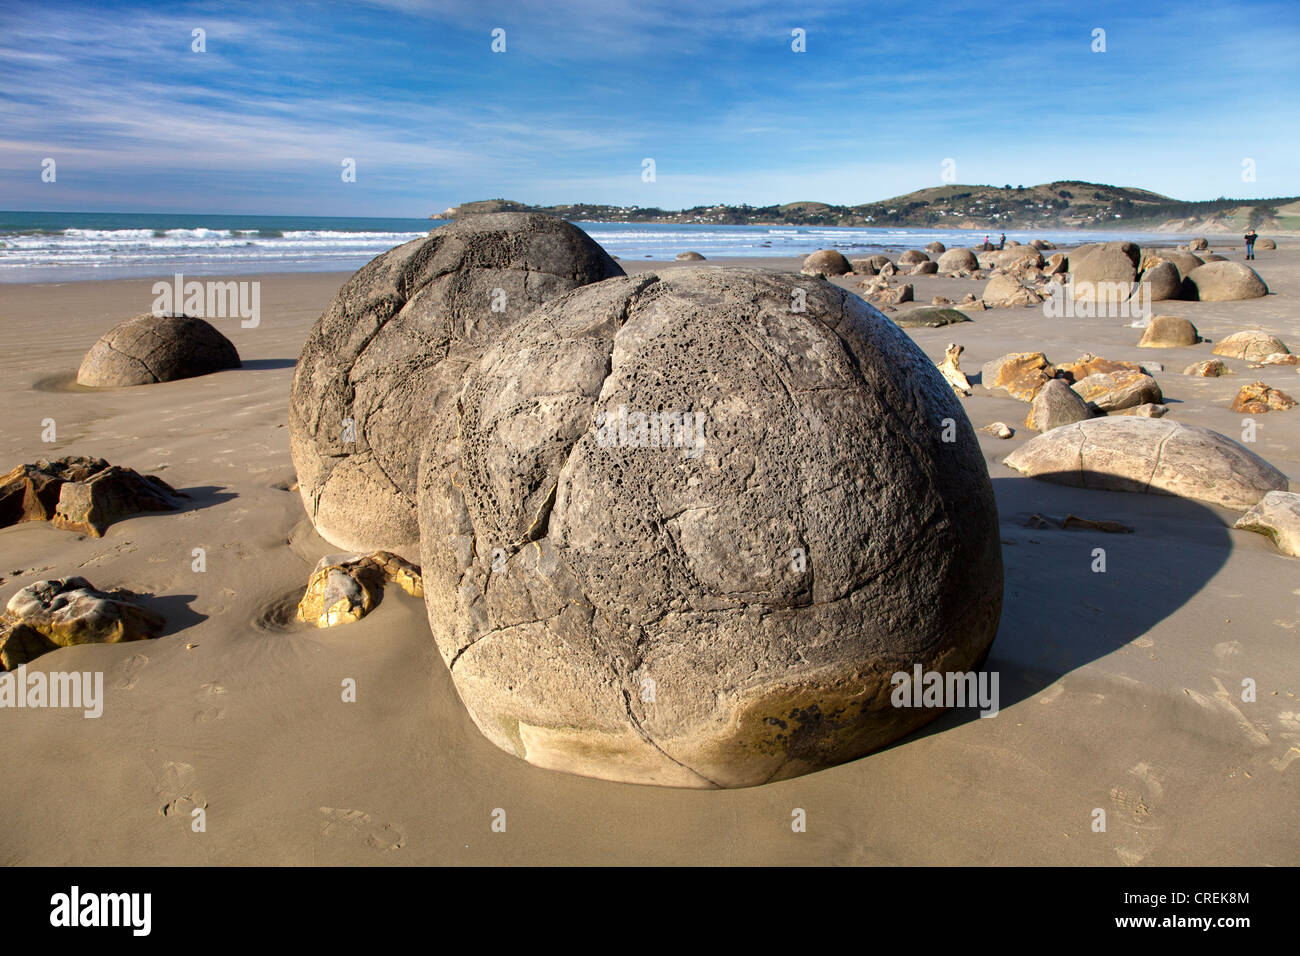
1120 691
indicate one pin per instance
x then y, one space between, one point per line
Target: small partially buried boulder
1252 345
1056 404
1258 398
929 317
1162 281
1145 410
614 593
156 348
1111 391
689 257
956 260
78 493
1196 245
1018 374
1157 456
926 268
1223 282
1277 358
68 611
1169 332
912 256
937 248
826 262
347 587
1265 244
1276 515
863 267
1005 291
1211 368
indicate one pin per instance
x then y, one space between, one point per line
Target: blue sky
587 89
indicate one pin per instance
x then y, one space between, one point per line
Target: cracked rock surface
1158 456
380 369
156 348
684 535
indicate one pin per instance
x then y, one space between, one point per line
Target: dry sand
1119 691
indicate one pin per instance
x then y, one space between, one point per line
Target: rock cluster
81 494
632 562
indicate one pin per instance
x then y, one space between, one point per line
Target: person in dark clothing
1002 242
1250 237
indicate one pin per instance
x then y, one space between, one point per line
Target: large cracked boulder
1104 270
1223 281
1251 345
685 536
380 369
1150 455
156 348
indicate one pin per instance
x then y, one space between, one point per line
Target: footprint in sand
357 824
1135 805
210 694
177 790
130 670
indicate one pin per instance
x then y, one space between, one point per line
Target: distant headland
1059 205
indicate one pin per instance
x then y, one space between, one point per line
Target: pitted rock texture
381 367
717 596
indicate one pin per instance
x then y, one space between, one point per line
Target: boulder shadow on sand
1058 614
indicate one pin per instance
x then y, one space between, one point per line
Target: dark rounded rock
156 348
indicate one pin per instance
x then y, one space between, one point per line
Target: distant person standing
987 245
1250 237
1002 241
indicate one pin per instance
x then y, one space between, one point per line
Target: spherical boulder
1196 245
1099 269
1160 282
156 348
689 257
1265 244
380 369
1223 282
1184 261
1169 332
826 262
937 248
911 257
637 566
955 260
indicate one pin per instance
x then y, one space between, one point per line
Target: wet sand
1119 691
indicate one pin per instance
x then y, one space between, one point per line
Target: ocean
68 246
